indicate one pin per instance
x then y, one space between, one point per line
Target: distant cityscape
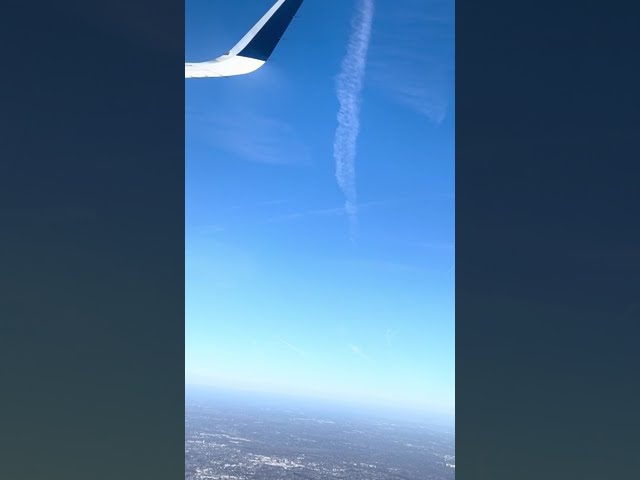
227 440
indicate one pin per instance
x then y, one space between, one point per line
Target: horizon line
422 411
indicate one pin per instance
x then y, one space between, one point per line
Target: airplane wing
255 48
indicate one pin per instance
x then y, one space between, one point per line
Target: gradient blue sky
278 296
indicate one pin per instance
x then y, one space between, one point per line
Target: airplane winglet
254 49
262 39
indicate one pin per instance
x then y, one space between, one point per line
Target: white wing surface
255 48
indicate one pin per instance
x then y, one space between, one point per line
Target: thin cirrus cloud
358 351
299 215
348 89
408 62
257 138
292 347
319 212
390 334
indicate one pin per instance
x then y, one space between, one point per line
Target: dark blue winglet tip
264 43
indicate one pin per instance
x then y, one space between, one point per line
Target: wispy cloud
348 89
390 334
334 211
358 351
450 246
293 348
337 211
285 217
257 138
384 266
414 60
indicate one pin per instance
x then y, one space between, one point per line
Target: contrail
348 89
358 351
293 347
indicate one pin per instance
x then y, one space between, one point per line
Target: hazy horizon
242 398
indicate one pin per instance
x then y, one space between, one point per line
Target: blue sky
284 291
